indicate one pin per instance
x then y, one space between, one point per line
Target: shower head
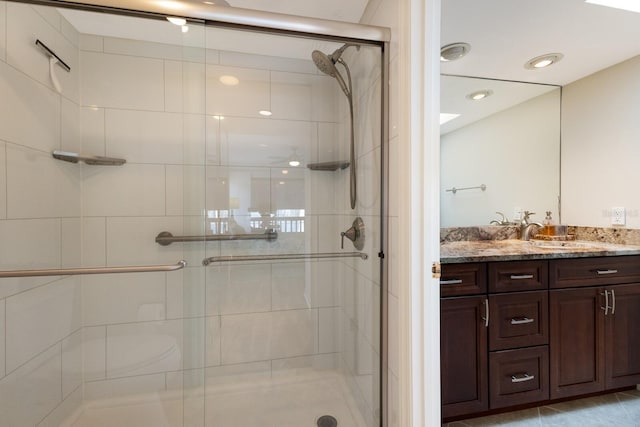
327 64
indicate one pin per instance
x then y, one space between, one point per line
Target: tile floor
616 409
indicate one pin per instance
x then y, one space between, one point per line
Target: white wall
599 146
40 318
514 153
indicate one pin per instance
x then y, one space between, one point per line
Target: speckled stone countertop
500 243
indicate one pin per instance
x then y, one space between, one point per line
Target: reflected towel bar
166 238
275 257
454 189
93 270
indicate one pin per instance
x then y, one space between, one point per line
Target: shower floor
272 403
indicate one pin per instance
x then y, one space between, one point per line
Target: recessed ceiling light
176 21
454 51
284 171
229 80
630 5
265 113
480 94
447 117
543 61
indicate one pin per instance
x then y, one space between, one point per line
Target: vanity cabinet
520 332
595 324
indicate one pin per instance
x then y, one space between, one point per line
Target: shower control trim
355 233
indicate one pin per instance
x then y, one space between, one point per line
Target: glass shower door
290 342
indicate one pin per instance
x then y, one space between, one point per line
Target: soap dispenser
548 229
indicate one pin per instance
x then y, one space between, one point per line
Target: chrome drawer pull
451 282
521 276
606 302
521 320
520 378
601 272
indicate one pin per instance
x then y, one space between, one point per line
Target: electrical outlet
517 214
618 216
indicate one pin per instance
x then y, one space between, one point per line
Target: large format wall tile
31 243
151 347
244 99
3 181
3 31
185 87
71 363
40 318
238 289
2 337
29 393
128 190
94 351
29 112
24 26
122 81
39 186
272 335
121 298
143 136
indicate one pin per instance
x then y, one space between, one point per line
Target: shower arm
352 151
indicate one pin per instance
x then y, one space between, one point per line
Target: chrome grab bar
230 258
165 238
93 270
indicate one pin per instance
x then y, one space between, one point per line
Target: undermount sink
564 244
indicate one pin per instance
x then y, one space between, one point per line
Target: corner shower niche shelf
68 156
329 166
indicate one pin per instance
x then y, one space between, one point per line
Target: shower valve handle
355 233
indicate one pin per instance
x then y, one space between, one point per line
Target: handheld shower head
327 65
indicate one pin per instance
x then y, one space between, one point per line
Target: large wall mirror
499 152
510 140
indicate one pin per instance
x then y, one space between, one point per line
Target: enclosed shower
185 238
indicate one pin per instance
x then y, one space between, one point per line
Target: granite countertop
512 250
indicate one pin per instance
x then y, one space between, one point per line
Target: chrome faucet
526 226
502 221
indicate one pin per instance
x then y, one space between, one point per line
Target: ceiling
505 34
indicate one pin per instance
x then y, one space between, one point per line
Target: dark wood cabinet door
463 355
576 341
623 336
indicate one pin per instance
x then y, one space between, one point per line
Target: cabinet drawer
512 276
518 376
576 272
518 320
463 279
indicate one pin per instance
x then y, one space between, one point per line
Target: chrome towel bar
93 270
278 257
454 190
166 238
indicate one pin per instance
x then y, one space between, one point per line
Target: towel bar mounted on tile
165 238
68 156
278 257
93 270
454 189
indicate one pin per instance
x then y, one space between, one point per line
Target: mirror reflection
500 150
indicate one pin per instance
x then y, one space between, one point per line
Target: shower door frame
300 26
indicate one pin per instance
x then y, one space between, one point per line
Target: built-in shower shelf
68 156
328 166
